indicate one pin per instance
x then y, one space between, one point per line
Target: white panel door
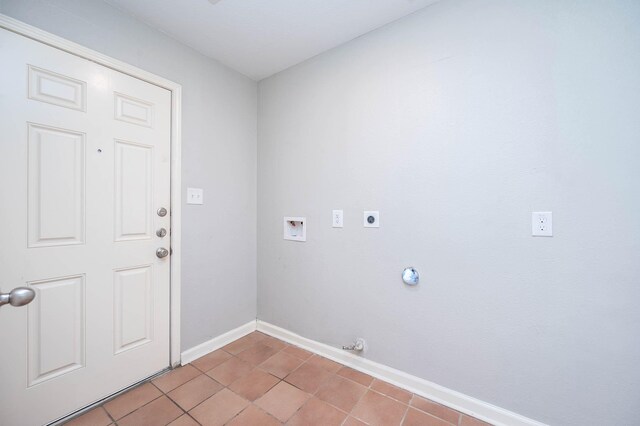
84 167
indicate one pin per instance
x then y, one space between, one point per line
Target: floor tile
341 393
211 360
253 416
391 391
96 417
255 375
281 364
219 409
297 352
317 412
352 421
356 376
132 400
377 409
254 385
194 392
243 343
282 401
161 411
257 353
435 409
176 377
274 343
308 377
418 418
230 371
324 363
184 420
257 336
472 421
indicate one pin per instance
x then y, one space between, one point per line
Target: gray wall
219 155
456 123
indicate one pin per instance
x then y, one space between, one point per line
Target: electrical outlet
195 196
337 221
541 224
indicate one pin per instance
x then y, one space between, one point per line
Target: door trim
60 43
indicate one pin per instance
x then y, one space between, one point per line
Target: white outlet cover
371 223
541 224
195 196
337 219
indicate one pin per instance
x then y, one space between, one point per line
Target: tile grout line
335 373
108 414
163 393
359 399
179 406
143 405
407 405
404 415
192 418
176 402
227 387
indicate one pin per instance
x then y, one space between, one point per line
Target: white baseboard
217 342
456 400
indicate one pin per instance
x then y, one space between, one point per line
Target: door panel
56 89
56 325
133 190
84 165
133 110
56 186
133 307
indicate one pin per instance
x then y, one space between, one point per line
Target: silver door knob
19 296
162 252
162 212
161 232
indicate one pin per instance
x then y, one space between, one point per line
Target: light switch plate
371 219
195 196
541 224
337 219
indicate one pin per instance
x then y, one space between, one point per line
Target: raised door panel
57 89
56 186
132 110
56 328
133 192
133 301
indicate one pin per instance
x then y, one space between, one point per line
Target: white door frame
37 34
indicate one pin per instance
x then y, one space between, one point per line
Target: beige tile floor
259 380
